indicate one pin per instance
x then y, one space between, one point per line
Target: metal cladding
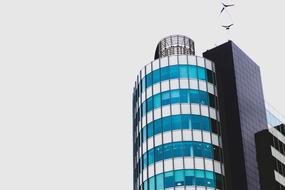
174 45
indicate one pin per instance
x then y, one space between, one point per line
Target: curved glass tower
176 128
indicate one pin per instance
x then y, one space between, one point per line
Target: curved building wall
176 129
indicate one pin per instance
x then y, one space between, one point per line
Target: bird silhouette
226 6
227 27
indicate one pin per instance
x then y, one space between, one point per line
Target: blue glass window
189 177
175 96
156 101
174 72
145 185
164 73
167 151
150 130
200 181
150 157
204 98
149 104
178 149
158 153
210 179
200 122
192 72
198 149
201 73
156 76
183 71
188 149
148 79
176 121
186 122
159 182
165 98
151 183
184 96
166 123
208 151
168 179
157 126
144 160
179 178
195 96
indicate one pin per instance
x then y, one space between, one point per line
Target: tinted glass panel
156 101
201 73
192 72
156 76
164 73
183 69
174 72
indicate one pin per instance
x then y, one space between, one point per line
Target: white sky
67 69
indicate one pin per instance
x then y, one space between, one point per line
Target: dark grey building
242 111
270 148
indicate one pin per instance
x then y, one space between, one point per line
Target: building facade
270 147
176 125
242 111
200 123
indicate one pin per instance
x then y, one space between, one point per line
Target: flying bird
226 6
227 27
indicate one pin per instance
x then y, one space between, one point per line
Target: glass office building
176 121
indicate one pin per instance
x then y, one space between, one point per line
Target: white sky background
67 70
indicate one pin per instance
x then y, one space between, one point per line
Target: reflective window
148 80
174 72
150 156
166 123
156 76
159 182
201 73
177 71
149 104
175 96
168 179
200 177
156 101
157 126
192 72
151 183
177 122
150 130
165 98
164 73
198 151
179 178
189 177
158 153
167 151
183 70
178 96
179 149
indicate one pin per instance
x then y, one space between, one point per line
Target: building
242 111
270 146
176 128
195 121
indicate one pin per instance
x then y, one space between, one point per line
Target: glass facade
176 128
